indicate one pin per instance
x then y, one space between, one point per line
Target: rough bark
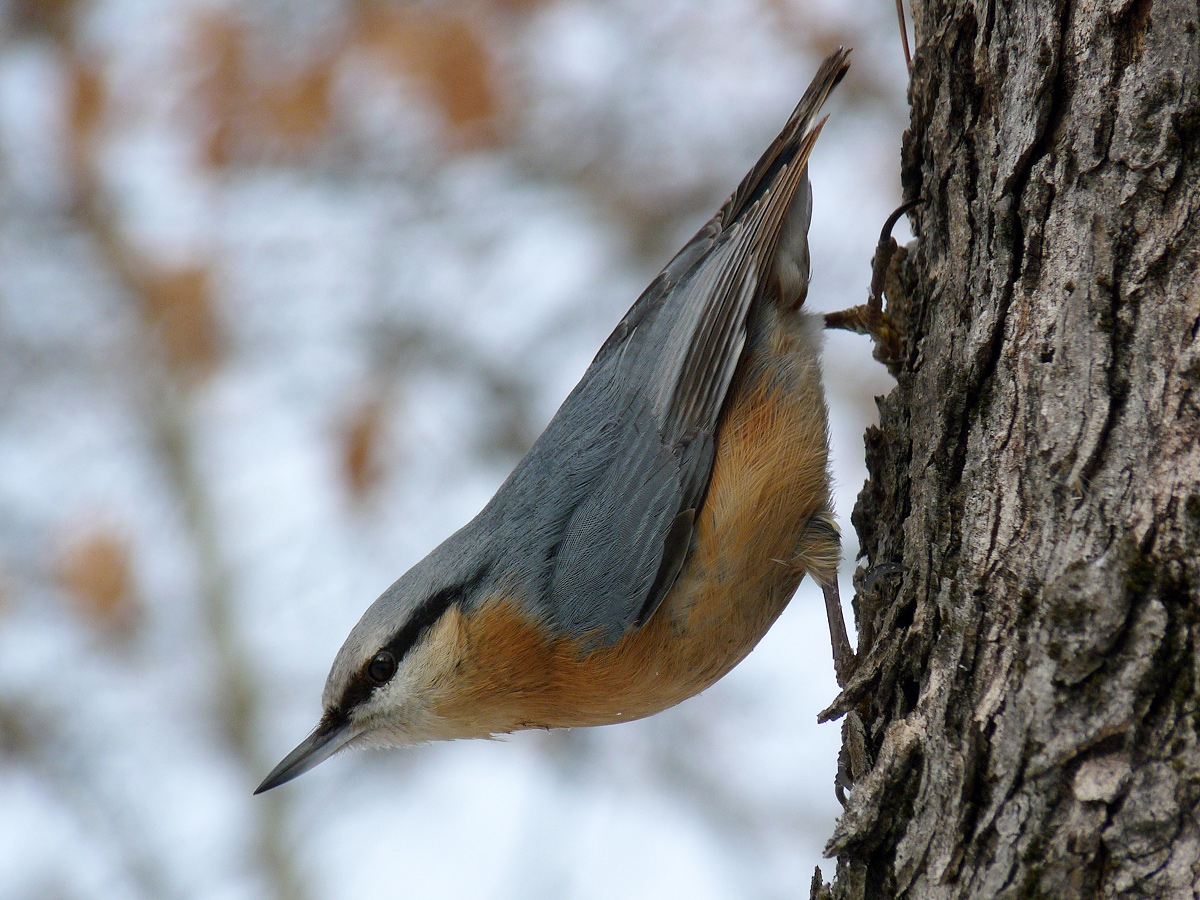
1025 720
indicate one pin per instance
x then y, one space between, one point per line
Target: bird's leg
869 318
844 660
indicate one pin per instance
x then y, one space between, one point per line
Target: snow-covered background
286 288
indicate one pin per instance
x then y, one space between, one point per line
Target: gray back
595 522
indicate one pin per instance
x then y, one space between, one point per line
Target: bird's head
393 680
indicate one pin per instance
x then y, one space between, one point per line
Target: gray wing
651 401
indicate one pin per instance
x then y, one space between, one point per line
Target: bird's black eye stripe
381 668
423 618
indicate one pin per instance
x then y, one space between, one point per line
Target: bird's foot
870 318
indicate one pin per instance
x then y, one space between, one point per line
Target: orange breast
749 551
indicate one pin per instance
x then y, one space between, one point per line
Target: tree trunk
1024 721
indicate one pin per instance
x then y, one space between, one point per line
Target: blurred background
286 289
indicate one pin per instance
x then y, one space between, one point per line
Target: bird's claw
869 318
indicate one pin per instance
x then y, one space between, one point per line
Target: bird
655 530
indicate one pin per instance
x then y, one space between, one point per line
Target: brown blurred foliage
178 305
248 116
440 53
220 51
176 299
86 107
361 439
516 6
95 567
252 114
53 18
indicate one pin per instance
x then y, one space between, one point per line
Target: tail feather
791 142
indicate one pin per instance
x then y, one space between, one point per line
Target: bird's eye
382 667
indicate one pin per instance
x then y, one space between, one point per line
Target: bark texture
1025 721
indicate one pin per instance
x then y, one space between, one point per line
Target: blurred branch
182 349
238 702
169 397
29 738
399 351
403 349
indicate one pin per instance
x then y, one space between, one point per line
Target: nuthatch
656 529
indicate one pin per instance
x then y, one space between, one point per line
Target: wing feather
669 364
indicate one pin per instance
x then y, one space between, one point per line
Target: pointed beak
330 736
